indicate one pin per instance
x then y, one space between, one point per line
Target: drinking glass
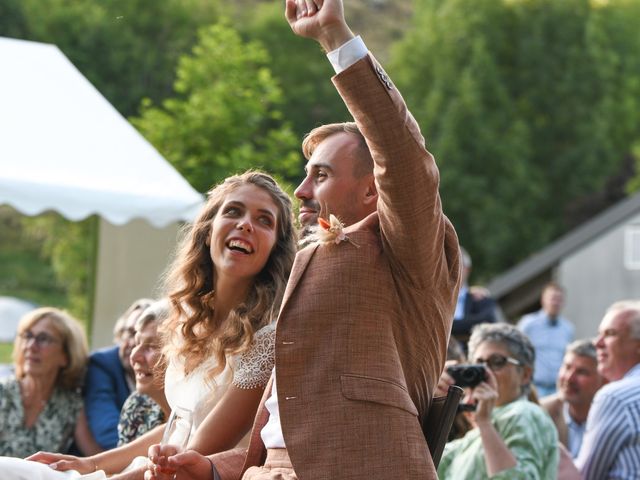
176 433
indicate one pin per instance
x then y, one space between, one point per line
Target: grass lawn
5 352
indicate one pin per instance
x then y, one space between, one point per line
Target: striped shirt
611 444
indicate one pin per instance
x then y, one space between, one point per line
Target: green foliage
528 105
225 116
12 21
6 350
127 48
69 248
304 74
26 271
47 260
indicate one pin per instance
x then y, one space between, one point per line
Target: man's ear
371 192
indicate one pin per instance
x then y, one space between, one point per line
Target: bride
225 289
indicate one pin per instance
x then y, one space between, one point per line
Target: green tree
70 249
225 116
127 48
310 98
527 105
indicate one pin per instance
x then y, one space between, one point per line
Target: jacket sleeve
101 403
417 236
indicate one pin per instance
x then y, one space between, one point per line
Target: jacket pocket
377 390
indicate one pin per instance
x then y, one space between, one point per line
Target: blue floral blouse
139 414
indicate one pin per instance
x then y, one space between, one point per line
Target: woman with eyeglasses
41 406
512 436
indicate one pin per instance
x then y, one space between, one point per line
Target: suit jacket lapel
299 266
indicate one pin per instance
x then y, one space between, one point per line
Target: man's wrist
335 37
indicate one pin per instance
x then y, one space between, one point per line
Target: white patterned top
253 367
200 394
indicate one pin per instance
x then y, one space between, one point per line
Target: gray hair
582 348
156 312
516 342
137 306
631 309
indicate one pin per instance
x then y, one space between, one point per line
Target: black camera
467 375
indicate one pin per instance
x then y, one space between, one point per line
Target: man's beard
306 230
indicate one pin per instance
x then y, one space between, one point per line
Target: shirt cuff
347 54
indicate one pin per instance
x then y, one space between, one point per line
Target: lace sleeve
255 365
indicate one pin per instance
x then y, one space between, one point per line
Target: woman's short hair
74 344
191 277
517 343
156 312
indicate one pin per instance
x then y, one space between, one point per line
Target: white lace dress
248 370
197 393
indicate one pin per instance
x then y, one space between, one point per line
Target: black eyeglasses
497 362
42 339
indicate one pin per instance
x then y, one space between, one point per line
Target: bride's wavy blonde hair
191 278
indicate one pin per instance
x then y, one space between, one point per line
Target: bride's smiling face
243 233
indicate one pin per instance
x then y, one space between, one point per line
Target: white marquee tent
64 147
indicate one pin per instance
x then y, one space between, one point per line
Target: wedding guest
109 379
512 436
611 444
550 333
147 407
41 405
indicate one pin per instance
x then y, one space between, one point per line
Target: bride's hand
186 465
58 461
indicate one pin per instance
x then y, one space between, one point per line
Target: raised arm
319 20
418 237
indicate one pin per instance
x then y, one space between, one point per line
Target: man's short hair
631 309
364 164
582 348
553 286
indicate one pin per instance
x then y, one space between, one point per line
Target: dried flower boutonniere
329 231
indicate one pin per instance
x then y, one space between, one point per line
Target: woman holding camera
512 437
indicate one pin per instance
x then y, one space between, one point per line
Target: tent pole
94 239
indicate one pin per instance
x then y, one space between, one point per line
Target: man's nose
599 341
304 189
